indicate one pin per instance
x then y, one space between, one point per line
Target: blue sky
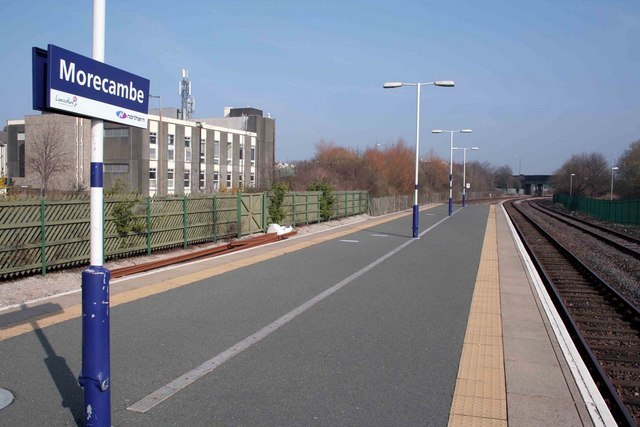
537 81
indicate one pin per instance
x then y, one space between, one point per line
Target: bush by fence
36 236
618 211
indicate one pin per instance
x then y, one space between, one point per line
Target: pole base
415 221
95 375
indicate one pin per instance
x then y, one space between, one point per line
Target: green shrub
327 199
123 214
276 210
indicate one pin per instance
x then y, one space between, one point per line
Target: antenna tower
188 101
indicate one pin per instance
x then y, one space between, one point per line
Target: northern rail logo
131 117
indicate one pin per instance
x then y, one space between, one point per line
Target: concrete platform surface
360 325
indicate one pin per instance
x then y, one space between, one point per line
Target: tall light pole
519 173
613 169
392 85
159 144
571 184
464 171
451 162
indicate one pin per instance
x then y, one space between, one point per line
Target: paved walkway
348 334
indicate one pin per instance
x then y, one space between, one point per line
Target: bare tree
590 177
629 173
503 177
46 155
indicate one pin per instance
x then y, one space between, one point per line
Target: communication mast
188 101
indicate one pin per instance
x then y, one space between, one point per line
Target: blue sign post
69 83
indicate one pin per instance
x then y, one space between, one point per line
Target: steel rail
583 225
617 403
233 246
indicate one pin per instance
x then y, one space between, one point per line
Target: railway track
605 326
623 242
211 252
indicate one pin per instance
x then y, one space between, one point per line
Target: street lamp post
464 171
392 85
451 162
613 169
571 184
159 144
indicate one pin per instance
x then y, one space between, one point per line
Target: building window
229 153
201 180
216 152
170 180
229 182
116 168
187 149
171 147
241 152
152 179
252 183
116 133
187 181
253 155
216 181
21 155
203 150
153 146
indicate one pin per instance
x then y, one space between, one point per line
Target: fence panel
384 205
20 237
38 235
251 213
199 219
67 234
618 211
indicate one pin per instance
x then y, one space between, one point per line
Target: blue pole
95 375
451 176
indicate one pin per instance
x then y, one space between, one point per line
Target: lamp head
391 85
615 168
437 131
466 131
444 83
475 148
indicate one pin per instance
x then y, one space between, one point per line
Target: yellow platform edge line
479 397
49 319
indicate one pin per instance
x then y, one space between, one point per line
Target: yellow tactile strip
479 398
50 319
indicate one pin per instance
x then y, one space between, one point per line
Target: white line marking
379 235
163 393
349 241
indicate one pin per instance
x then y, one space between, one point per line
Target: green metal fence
40 235
618 211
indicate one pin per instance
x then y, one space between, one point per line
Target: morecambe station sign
66 82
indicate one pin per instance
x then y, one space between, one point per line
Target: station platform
358 325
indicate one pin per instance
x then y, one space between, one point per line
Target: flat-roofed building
171 156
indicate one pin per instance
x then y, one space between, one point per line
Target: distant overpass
535 185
